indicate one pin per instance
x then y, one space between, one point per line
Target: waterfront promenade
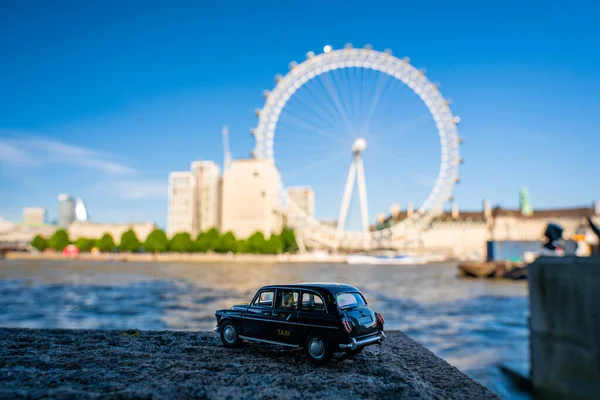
165 365
183 257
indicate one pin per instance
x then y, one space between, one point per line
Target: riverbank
184 257
197 258
164 364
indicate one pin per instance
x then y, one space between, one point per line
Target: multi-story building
66 210
194 199
34 216
304 197
81 213
206 196
83 229
251 198
180 216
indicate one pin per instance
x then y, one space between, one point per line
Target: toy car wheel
317 350
229 335
355 351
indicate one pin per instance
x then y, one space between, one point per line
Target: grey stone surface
565 327
142 364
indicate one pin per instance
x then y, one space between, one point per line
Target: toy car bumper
355 344
216 329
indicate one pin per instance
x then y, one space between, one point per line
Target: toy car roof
333 288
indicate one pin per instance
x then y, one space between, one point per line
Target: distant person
553 235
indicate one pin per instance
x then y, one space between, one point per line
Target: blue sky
101 99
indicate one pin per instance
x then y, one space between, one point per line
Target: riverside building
34 216
206 196
251 198
181 202
194 199
66 210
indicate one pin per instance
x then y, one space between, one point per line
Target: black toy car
320 317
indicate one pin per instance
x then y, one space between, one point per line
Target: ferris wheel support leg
346 199
362 194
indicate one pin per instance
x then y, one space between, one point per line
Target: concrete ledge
565 327
133 364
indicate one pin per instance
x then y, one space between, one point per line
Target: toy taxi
322 318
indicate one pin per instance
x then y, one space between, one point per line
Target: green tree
84 244
227 243
156 241
40 243
201 244
256 243
59 240
289 240
213 240
106 243
181 243
274 245
129 242
242 246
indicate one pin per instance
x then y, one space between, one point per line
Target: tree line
158 242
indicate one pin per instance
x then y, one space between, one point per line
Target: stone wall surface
132 364
565 327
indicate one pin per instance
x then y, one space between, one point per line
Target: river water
473 324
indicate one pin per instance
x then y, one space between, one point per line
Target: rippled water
472 324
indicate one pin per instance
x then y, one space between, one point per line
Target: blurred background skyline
102 99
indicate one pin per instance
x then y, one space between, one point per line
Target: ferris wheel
338 93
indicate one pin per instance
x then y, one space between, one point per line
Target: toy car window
345 300
264 299
287 299
312 302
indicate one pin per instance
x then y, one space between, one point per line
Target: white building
84 229
81 213
34 216
194 198
66 210
304 197
251 198
180 217
206 196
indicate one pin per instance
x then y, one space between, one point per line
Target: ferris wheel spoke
404 127
302 148
344 91
379 88
361 72
351 94
397 103
324 106
327 83
406 155
319 163
357 93
307 127
316 109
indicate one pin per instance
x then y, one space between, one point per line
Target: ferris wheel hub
359 146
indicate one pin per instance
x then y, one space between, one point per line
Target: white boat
396 259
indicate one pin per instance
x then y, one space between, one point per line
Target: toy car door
312 312
285 316
257 320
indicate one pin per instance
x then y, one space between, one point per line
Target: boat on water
385 259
